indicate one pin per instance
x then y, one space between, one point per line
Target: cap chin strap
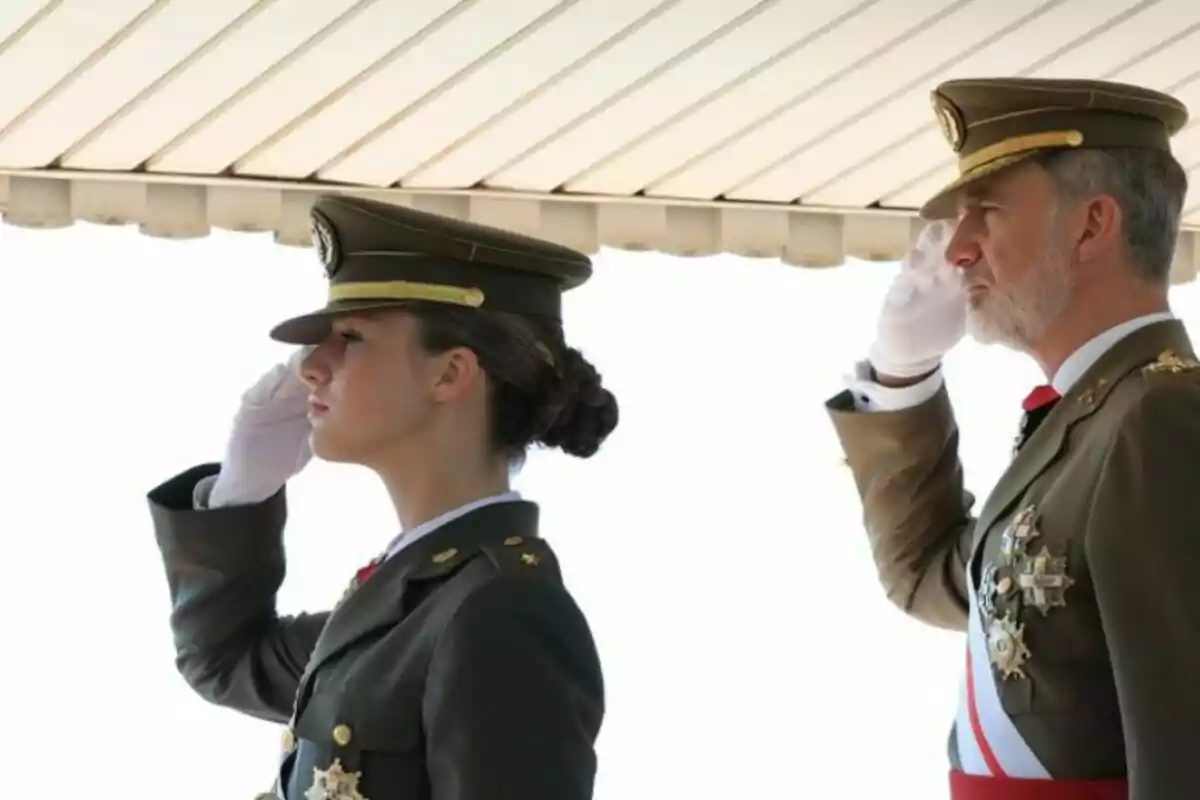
469 296
1019 144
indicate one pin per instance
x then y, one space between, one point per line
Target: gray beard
1020 316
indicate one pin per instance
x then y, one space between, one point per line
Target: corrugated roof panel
687 126
864 67
533 58
748 74
895 107
721 63
16 14
282 99
430 65
131 64
259 44
567 102
67 38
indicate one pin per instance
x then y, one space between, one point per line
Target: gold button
289 740
342 735
1004 585
513 541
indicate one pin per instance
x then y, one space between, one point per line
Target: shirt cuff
201 492
871 396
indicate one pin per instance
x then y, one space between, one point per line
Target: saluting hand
269 443
924 314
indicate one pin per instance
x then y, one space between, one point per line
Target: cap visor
944 204
314 328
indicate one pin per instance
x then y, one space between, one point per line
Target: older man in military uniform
1078 581
457 666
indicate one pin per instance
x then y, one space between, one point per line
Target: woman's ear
455 373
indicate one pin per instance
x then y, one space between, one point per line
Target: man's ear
457 371
1099 227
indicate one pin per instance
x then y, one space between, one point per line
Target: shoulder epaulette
1172 362
517 554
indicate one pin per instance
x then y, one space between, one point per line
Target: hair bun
587 412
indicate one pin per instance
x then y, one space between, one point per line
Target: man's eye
349 336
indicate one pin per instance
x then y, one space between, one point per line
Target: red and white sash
988 742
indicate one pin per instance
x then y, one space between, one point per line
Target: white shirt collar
425 528
1082 359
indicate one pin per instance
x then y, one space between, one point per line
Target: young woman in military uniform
457 666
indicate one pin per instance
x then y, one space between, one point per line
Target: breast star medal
1006 646
334 783
1043 581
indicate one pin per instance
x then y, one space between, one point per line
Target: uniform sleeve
915 509
224 567
514 701
871 396
1143 553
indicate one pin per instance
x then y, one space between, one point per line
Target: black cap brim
314 328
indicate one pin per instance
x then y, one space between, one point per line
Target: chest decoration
334 783
1006 646
1022 575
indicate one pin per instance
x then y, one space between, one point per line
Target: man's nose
963 251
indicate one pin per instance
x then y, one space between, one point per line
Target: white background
715 542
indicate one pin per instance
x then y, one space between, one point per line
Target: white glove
269 443
924 314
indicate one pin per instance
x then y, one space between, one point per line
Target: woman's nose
310 366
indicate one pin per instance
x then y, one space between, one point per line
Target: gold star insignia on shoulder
445 555
334 783
530 559
1170 361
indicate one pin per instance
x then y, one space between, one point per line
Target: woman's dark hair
542 391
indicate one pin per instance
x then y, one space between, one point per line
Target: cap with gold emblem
995 123
379 255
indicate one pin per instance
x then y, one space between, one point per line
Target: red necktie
1040 397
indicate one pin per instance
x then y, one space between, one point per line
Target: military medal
1018 534
987 590
1006 646
334 783
1044 581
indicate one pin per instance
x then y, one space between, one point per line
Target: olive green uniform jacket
460 670
1085 559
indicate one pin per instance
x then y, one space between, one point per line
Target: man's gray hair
1149 185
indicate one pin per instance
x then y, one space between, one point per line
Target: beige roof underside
780 128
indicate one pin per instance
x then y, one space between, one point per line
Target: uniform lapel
383 601
1048 442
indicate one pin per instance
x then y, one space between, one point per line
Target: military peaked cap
378 255
996 123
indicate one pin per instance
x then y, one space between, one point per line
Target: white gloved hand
924 314
269 443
